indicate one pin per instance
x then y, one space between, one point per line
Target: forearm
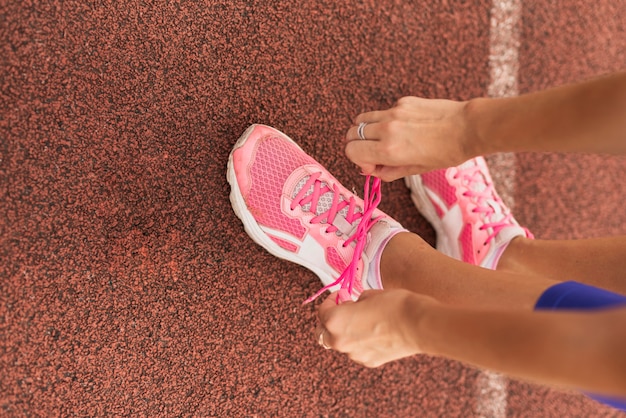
573 350
584 117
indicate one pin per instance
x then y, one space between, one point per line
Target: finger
323 338
371 132
366 358
389 173
365 153
374 363
424 105
330 308
319 329
369 293
370 117
414 101
326 308
406 100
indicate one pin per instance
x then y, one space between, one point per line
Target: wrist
477 140
421 316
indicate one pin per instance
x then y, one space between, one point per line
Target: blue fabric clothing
578 296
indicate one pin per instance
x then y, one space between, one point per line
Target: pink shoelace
371 199
473 175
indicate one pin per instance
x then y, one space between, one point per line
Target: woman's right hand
414 136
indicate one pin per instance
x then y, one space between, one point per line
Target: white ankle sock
492 262
374 280
503 240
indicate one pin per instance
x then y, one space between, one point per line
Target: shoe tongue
479 185
475 186
325 201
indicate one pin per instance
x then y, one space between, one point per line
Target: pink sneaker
290 205
472 223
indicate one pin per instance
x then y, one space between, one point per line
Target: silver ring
321 342
360 131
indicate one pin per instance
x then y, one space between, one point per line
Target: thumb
330 305
368 169
363 154
390 173
327 306
367 294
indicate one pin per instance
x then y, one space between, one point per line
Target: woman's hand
380 327
414 136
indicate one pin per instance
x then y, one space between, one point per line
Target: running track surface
128 286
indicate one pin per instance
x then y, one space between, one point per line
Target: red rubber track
127 284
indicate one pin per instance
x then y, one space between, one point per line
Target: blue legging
578 296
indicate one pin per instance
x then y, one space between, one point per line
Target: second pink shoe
471 221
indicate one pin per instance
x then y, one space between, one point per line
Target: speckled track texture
127 284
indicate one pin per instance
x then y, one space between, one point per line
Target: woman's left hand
380 327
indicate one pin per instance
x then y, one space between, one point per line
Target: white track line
491 393
504 47
491 388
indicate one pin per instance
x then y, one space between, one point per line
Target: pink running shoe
290 205
471 221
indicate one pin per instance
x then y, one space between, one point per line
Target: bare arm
585 351
583 117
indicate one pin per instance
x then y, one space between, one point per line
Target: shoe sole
252 228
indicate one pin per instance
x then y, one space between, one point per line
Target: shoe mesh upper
274 161
436 180
468 210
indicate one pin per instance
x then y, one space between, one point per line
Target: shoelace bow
371 199
473 175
